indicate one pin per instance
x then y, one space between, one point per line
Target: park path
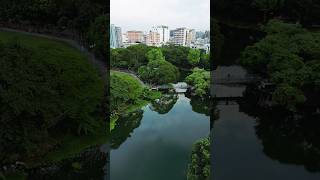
132 74
100 64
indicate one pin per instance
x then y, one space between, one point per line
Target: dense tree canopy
194 57
158 70
200 80
288 56
39 93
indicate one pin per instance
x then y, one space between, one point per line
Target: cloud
143 14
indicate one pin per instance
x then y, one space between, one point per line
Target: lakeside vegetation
289 57
48 89
199 167
127 95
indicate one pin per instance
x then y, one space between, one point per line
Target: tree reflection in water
164 104
288 138
124 127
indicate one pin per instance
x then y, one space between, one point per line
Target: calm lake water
250 143
156 142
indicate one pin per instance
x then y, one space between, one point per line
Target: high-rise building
115 36
119 36
135 36
180 36
153 39
191 37
163 32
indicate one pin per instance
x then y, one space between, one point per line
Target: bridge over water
229 83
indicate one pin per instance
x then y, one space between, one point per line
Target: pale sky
143 14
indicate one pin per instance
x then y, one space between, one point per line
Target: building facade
135 36
153 39
115 36
180 36
163 32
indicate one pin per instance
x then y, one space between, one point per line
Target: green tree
155 55
200 80
194 56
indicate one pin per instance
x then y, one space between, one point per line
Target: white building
163 32
180 36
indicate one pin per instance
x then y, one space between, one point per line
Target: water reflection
289 139
124 127
164 104
160 147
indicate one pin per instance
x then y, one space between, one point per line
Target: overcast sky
143 14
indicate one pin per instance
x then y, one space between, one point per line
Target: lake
156 142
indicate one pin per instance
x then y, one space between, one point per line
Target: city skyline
144 14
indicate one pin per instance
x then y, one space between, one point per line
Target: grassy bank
128 84
68 75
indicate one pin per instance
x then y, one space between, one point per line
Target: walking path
131 74
100 64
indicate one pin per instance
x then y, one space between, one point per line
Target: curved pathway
98 63
131 74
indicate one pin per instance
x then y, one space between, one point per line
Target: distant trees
130 58
194 57
158 70
135 56
288 56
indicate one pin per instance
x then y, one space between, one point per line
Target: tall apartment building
115 36
191 37
118 36
163 32
180 36
135 36
153 39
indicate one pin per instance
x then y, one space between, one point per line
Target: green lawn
48 49
55 52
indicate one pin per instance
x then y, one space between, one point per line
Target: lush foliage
124 90
45 85
199 168
127 94
194 56
289 57
135 56
129 58
158 70
200 80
